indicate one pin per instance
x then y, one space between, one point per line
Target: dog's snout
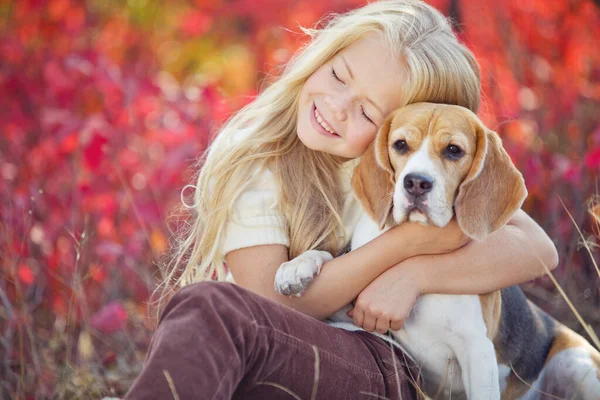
418 184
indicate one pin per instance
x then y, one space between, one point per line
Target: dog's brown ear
373 178
492 191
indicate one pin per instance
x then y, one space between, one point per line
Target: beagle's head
431 161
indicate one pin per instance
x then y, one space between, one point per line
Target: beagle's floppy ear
373 178
492 191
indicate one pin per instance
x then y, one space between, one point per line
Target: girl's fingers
369 323
382 325
397 325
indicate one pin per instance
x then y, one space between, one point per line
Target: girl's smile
321 125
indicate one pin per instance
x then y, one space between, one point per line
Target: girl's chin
310 144
308 137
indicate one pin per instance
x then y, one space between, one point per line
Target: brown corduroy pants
220 341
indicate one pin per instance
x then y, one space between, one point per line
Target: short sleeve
256 218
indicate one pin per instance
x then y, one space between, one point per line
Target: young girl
276 183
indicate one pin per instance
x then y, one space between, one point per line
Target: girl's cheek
369 137
363 140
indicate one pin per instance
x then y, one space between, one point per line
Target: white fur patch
447 330
418 216
365 231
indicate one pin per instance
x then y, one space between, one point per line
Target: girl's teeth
322 123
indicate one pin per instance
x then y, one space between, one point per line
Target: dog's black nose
417 184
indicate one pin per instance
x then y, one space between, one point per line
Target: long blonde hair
439 69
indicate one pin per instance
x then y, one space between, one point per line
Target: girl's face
344 103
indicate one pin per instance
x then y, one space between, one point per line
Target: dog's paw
294 276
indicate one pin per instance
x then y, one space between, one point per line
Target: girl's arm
343 278
516 253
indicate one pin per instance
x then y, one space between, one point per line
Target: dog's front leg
477 359
293 277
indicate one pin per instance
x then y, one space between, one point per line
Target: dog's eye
453 152
401 146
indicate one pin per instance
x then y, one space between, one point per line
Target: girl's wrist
419 274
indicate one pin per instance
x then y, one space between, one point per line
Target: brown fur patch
373 178
515 388
491 307
492 192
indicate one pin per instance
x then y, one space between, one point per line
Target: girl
276 183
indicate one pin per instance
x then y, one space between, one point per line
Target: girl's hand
386 302
430 239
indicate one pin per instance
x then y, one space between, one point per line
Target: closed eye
362 110
335 75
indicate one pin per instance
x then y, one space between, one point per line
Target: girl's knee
205 288
202 292
210 296
208 300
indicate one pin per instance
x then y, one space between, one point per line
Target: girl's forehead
374 71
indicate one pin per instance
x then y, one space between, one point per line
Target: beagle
428 163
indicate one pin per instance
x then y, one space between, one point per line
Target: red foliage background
106 105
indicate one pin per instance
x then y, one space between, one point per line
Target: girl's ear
373 178
492 191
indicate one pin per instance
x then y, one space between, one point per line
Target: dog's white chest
446 335
365 231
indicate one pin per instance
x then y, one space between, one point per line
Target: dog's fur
494 346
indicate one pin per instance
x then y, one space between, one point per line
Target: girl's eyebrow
352 78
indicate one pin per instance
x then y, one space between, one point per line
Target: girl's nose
339 104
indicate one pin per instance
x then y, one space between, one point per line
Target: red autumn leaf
592 159
69 143
94 152
57 9
55 77
573 175
98 273
195 24
25 274
110 318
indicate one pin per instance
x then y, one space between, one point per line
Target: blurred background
105 105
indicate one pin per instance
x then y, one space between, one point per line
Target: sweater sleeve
256 219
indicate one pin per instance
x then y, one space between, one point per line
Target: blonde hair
439 69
